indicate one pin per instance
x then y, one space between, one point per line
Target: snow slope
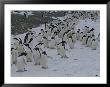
82 60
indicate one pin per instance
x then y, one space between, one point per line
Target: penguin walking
36 56
70 42
62 50
74 37
88 41
81 35
21 63
78 34
84 38
45 41
44 60
52 43
94 44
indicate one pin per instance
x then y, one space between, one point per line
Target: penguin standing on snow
94 44
45 41
62 50
44 60
78 34
20 65
52 43
88 41
81 35
29 52
36 56
39 37
84 38
70 42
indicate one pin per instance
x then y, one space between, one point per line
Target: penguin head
45 31
52 38
12 49
93 39
44 52
70 36
42 30
44 37
39 33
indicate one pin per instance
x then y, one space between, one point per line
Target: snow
82 61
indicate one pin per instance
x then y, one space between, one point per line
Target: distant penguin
44 60
81 35
45 41
20 65
39 38
74 37
94 44
84 38
52 43
78 34
36 56
70 42
88 41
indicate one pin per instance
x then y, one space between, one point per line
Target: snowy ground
82 60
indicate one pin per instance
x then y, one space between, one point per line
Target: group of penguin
59 35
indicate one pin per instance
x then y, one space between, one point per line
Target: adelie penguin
62 50
36 56
21 63
70 42
52 43
94 44
44 60
45 41
88 41
84 38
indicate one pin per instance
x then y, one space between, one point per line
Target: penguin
42 32
36 56
74 37
29 52
44 60
84 38
39 38
88 41
21 63
52 43
62 50
70 42
94 44
45 41
14 55
78 34
81 35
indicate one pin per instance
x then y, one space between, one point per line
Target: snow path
82 60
